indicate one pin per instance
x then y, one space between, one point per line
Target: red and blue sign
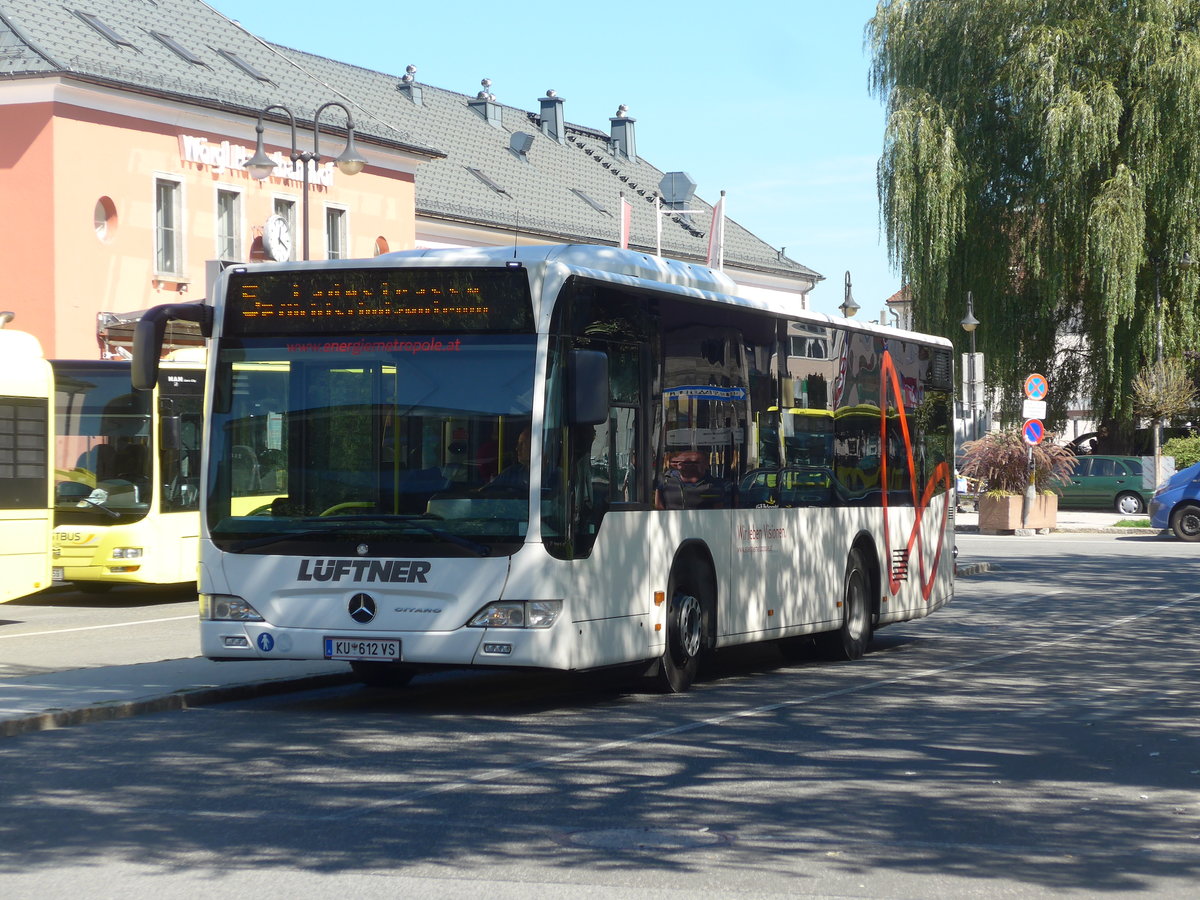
1036 388
1033 431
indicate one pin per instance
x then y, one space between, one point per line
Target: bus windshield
103 456
413 445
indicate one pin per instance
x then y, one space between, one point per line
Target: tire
850 640
1129 504
685 640
1185 522
383 674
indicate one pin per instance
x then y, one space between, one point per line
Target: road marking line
26 634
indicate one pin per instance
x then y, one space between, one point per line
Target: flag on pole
716 236
626 217
657 225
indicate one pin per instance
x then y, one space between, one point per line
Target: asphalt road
63 629
1039 737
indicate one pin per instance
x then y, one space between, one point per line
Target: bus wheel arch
858 604
691 616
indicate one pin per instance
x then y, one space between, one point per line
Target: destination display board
378 301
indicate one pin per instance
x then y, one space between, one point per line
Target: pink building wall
59 161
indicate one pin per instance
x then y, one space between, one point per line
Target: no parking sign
1033 431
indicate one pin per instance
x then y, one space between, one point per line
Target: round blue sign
1033 431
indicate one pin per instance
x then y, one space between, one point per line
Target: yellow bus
126 474
26 437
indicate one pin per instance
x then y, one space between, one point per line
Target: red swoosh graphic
941 474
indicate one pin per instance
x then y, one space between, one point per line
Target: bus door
26 439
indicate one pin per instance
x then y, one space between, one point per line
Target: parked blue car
1176 504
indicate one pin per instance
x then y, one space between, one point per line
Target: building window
104 218
229 218
335 233
168 226
286 209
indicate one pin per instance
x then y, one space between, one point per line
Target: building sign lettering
232 157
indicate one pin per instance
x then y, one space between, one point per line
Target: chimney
408 86
622 134
553 125
485 104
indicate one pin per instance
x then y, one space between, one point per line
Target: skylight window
590 202
103 29
178 49
244 66
488 181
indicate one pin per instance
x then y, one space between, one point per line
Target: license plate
383 649
56 575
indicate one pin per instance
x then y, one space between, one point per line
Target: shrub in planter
1000 461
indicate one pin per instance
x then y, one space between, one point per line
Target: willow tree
1045 155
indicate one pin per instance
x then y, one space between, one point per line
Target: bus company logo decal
75 538
384 571
362 608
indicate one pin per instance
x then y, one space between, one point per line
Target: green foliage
1186 450
1163 389
1000 460
1043 155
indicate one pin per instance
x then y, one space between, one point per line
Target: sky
766 100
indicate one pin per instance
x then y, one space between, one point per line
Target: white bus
560 457
26 439
126 474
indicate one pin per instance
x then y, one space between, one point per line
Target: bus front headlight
226 608
517 614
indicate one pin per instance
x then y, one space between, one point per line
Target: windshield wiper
100 506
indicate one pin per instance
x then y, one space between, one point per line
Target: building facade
127 127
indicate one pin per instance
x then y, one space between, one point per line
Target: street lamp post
350 162
969 324
848 307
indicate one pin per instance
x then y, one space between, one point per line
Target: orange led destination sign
375 301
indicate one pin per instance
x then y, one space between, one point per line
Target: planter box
1002 515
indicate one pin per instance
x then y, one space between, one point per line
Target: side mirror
587 387
148 338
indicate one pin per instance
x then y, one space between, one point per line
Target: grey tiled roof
537 193
39 37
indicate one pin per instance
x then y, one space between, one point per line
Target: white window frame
343 217
163 266
229 246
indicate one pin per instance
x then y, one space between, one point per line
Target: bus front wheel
851 639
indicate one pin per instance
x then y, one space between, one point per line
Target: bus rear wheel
685 639
851 639
383 674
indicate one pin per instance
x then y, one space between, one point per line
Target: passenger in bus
688 484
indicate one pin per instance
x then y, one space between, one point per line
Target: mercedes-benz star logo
362 608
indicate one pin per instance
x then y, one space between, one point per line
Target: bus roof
634 268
